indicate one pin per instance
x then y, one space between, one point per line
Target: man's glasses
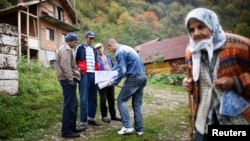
91 38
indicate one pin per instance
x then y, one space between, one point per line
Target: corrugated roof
68 7
17 7
172 48
137 48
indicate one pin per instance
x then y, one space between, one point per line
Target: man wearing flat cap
107 94
87 62
68 75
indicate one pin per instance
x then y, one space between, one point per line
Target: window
50 34
63 38
59 13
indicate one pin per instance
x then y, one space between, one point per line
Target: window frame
50 34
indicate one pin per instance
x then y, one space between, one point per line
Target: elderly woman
218 63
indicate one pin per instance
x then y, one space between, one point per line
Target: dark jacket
80 56
66 67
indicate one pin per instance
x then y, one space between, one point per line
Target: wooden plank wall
158 68
166 67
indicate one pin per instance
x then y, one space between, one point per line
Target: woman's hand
187 84
225 83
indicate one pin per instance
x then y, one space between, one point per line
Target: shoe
139 133
106 119
92 122
81 128
71 135
125 130
116 118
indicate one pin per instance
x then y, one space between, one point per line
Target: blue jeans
133 87
69 114
88 97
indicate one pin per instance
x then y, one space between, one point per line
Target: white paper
103 84
102 78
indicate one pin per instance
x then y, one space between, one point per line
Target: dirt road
158 100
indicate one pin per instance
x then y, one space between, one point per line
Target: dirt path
159 100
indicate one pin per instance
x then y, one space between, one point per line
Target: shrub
170 79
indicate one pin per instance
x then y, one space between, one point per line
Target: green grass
35 110
162 86
161 126
36 106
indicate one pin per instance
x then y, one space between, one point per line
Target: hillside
134 22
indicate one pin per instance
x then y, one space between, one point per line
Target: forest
134 22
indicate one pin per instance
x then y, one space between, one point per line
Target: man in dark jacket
107 93
68 75
87 62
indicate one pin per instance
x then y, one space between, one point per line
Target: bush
169 79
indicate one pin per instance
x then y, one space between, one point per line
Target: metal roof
168 49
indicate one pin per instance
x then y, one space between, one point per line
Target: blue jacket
110 60
80 56
128 63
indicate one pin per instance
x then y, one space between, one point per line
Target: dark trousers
69 114
107 94
199 137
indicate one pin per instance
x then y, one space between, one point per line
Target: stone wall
8 59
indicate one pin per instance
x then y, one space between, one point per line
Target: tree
243 29
123 18
115 10
158 9
148 18
4 4
230 18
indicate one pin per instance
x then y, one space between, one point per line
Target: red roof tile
137 48
168 49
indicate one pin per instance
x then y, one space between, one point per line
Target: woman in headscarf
218 66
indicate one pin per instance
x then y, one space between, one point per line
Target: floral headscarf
217 40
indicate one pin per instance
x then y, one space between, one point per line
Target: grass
36 106
34 111
161 126
162 86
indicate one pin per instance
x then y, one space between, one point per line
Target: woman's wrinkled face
198 30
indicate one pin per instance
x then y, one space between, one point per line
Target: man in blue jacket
108 93
129 65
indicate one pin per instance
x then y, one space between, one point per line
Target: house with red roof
164 56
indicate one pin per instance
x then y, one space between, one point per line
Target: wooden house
42 26
164 56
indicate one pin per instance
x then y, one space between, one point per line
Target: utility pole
75 11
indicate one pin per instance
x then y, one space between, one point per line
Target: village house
164 56
41 25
